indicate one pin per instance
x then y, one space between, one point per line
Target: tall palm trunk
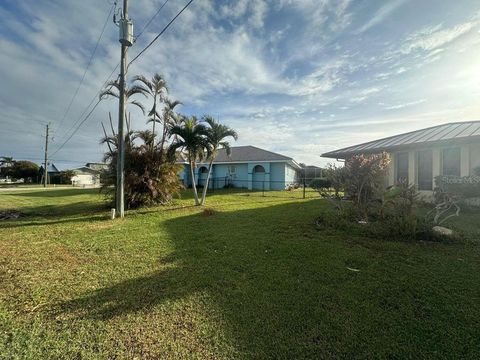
205 187
154 119
194 185
164 135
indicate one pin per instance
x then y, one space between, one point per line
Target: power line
50 160
160 34
92 55
96 95
83 113
151 19
77 128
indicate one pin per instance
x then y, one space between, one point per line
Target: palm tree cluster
200 141
151 172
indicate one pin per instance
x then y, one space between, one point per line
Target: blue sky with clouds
299 77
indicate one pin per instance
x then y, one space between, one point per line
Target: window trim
230 168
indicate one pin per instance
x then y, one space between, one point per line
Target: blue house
247 167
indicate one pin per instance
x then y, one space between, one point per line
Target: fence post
304 186
263 188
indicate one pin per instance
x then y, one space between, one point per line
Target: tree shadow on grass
248 262
283 290
81 211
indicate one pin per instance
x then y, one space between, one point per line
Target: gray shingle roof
458 131
249 153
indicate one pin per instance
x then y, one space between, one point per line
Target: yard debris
442 230
352 269
208 212
10 214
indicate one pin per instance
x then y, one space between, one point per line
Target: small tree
216 135
26 170
148 180
365 178
191 138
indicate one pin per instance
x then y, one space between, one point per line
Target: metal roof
451 132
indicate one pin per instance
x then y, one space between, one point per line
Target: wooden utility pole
126 39
45 164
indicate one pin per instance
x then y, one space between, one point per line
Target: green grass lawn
256 280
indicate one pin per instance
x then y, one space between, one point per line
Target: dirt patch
10 214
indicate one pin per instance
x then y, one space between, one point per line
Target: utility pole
45 164
126 39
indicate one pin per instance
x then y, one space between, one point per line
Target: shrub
362 179
149 178
320 183
63 177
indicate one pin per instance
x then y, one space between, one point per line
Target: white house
88 175
419 156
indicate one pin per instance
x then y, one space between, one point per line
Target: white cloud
432 38
382 13
406 104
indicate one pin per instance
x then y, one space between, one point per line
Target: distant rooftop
458 131
249 153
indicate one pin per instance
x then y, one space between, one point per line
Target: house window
258 169
425 170
451 161
232 169
402 168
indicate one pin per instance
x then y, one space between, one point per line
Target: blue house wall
276 175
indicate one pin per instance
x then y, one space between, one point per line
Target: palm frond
139 105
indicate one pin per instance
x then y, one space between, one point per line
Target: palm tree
191 138
216 135
129 92
170 118
6 161
156 88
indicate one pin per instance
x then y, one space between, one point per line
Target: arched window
258 169
203 170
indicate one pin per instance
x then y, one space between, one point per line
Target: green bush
320 183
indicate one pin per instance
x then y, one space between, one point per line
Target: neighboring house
247 167
417 157
88 175
51 169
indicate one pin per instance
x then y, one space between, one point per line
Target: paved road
27 188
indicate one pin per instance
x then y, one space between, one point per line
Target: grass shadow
286 290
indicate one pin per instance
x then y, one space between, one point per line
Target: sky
298 77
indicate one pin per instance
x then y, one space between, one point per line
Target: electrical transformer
126 32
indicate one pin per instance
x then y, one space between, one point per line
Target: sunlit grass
255 279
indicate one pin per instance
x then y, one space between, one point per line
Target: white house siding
290 175
85 180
